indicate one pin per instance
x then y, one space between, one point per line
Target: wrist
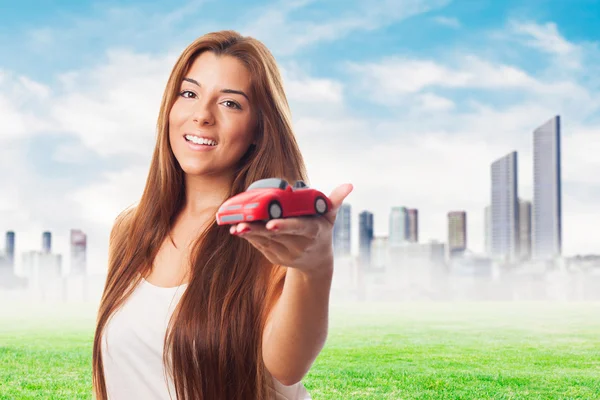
323 270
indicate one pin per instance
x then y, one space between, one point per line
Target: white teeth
197 140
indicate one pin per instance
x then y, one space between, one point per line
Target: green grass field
374 351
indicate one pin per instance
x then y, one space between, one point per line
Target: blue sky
425 93
447 25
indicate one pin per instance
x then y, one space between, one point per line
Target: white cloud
21 106
124 25
547 39
284 34
439 161
10 156
449 22
314 96
440 171
309 90
38 89
72 153
13 122
430 102
433 153
102 201
41 38
401 75
544 37
583 145
113 108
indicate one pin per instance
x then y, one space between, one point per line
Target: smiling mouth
199 140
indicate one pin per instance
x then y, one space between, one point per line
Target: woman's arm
296 329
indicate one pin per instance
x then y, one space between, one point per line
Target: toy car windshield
269 183
300 185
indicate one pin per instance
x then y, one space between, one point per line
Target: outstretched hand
304 242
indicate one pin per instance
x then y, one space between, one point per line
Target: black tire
273 212
321 206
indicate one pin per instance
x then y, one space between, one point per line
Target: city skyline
402 116
508 219
508 234
20 264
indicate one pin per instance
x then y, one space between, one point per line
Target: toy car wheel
320 205
275 210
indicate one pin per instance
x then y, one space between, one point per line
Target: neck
205 193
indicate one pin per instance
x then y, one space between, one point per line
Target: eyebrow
195 82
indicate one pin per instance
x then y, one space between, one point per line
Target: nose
203 115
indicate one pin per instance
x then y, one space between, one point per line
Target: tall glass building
365 237
457 232
505 208
398 226
547 192
487 228
78 253
413 225
47 242
341 231
525 229
10 248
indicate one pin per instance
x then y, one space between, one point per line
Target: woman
194 310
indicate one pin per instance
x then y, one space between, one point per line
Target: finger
246 227
337 197
298 226
302 226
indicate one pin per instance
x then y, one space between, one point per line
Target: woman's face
212 103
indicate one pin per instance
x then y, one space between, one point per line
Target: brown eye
182 94
235 105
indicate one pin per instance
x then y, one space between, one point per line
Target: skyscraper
341 231
47 242
78 252
488 229
505 208
525 229
365 237
547 191
398 226
8 278
10 248
413 225
457 232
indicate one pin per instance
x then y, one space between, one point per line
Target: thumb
337 197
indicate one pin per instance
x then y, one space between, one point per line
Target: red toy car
272 198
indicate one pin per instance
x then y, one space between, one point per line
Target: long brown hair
213 345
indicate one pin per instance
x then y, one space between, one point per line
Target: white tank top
132 348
